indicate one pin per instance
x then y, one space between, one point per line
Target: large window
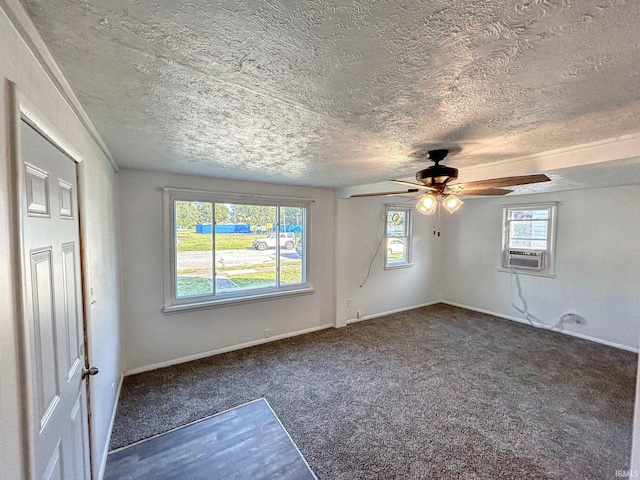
398 237
528 238
227 248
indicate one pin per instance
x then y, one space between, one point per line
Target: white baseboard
524 321
231 348
397 310
103 465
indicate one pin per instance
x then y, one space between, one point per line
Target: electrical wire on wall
382 220
515 281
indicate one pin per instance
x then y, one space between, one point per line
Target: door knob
91 371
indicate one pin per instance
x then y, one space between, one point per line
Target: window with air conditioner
528 238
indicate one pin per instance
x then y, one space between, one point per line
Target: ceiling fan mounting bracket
438 155
437 176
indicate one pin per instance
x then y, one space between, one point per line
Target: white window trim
550 255
172 304
409 236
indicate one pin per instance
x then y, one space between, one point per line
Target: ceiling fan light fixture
451 203
427 204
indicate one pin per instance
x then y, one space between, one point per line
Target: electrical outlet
267 332
348 302
359 314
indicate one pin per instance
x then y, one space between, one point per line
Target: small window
528 238
223 248
398 237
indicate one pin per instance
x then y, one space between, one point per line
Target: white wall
102 268
153 338
100 236
360 228
597 262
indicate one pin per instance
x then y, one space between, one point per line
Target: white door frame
20 108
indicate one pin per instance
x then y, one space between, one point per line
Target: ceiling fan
437 189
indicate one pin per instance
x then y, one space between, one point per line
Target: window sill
237 300
527 272
395 267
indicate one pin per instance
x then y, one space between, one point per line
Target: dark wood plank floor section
246 442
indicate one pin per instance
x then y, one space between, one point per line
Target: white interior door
53 310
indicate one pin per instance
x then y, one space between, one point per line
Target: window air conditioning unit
531 260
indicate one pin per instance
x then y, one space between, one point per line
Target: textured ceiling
340 93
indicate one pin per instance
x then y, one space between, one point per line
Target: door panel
53 316
44 333
72 329
75 460
54 467
37 191
65 197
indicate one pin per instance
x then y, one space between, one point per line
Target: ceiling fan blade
484 192
414 185
498 183
383 194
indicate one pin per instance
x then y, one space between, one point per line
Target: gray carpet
436 392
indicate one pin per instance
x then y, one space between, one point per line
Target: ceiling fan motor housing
437 175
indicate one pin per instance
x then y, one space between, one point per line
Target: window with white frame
528 238
398 236
223 248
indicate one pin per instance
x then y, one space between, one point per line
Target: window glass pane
533 229
396 223
532 214
194 264
530 231
539 229
245 241
292 246
523 243
396 250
